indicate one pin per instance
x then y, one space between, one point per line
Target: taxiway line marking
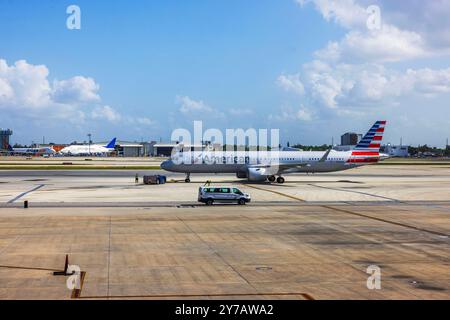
28 268
25 193
386 221
277 192
359 214
353 191
215 252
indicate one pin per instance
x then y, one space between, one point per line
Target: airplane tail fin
368 149
10 148
111 144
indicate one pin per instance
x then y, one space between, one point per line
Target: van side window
225 190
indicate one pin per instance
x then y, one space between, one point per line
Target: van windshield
237 191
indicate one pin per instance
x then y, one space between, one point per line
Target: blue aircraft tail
112 144
10 148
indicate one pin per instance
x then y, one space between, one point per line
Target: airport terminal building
5 135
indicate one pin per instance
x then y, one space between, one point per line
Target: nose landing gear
188 178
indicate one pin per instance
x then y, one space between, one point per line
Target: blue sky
139 69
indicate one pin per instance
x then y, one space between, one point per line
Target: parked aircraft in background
272 165
42 151
93 149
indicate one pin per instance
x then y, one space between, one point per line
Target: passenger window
225 190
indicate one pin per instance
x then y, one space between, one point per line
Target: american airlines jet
89 149
272 165
46 151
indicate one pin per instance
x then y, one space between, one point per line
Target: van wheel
241 202
209 202
187 180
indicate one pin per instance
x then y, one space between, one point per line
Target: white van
209 195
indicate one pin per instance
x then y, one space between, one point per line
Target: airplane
46 151
80 150
272 165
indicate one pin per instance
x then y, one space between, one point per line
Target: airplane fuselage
85 150
240 162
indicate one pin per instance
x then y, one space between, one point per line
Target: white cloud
106 113
197 108
188 105
346 85
291 83
359 70
240 112
304 114
344 12
145 121
389 44
290 114
24 86
26 92
405 31
75 90
427 18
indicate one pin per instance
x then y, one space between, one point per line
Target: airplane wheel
280 180
272 178
187 180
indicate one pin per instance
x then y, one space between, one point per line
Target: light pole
89 136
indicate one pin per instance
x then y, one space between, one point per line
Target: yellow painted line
277 192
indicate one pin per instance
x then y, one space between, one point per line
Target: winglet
111 144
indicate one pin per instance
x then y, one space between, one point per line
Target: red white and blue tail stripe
368 149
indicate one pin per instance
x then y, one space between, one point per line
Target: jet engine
257 174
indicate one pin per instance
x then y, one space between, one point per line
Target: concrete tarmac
312 238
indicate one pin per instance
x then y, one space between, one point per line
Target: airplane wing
325 156
282 168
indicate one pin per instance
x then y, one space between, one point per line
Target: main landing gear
279 180
188 178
